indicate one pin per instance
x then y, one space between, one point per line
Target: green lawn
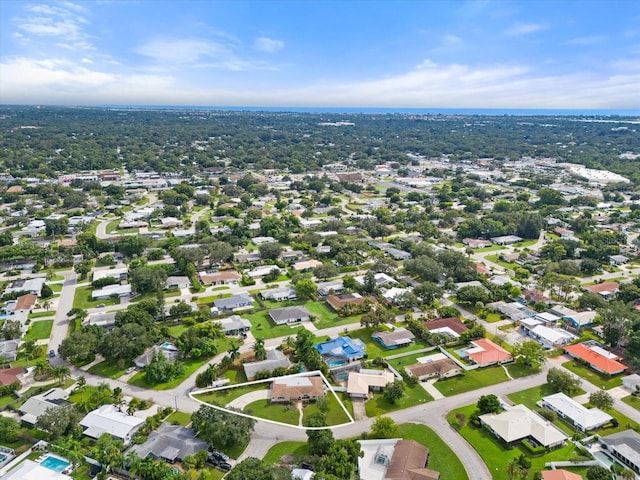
495 456
179 418
400 363
441 457
491 248
525 243
56 287
112 226
235 376
82 298
413 395
176 330
632 401
592 376
190 366
104 369
324 316
374 349
335 415
262 326
493 317
273 411
39 330
472 380
227 395
41 314
298 449
502 263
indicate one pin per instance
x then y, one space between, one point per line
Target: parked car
221 457
224 466
100 305
52 353
130 369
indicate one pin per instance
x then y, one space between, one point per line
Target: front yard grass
82 299
190 366
273 411
39 330
227 395
632 401
495 456
299 450
471 380
41 314
441 458
335 415
179 418
591 376
104 369
413 395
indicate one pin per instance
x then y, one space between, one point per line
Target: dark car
221 457
52 354
224 466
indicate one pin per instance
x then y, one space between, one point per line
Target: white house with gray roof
170 443
109 419
582 418
286 315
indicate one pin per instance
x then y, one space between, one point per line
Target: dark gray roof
170 442
285 313
234 301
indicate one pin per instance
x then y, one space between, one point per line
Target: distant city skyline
403 54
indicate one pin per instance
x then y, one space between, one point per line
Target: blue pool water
335 363
3 315
462 353
54 463
168 346
342 376
3 457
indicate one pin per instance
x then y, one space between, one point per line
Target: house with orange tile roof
560 475
11 375
597 357
604 289
26 302
484 352
288 389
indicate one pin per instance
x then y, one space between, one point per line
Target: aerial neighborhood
275 296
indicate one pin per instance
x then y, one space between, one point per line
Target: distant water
398 110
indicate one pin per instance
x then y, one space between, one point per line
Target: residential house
25 302
248 257
605 289
394 294
514 311
529 296
31 285
9 349
399 337
234 302
342 350
279 294
452 326
292 256
284 315
306 265
582 418
170 352
631 382
30 470
106 292
109 419
394 459
105 320
381 279
263 270
560 474
625 447
518 423
11 375
338 301
548 337
275 359
178 281
618 259
116 273
597 357
171 443
261 240
359 384
484 352
506 240
329 288
438 365
234 325
476 243
38 404
293 388
225 277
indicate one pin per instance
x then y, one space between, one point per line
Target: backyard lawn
441 458
400 363
298 449
496 457
592 376
82 299
471 380
413 395
39 330
284 413
190 366
263 327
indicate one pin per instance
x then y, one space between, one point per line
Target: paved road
61 321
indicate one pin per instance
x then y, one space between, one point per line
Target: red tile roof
603 287
559 475
597 360
487 352
25 302
454 323
10 375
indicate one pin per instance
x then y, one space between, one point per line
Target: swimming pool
336 363
3 458
168 346
54 463
462 353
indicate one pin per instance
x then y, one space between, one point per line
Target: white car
130 369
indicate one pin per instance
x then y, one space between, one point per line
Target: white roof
107 419
112 289
518 422
553 335
30 470
109 272
547 317
293 381
585 418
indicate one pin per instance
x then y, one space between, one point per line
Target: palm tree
234 352
259 350
42 369
81 384
46 304
61 373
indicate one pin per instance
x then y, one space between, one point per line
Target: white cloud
525 29
181 50
269 45
586 41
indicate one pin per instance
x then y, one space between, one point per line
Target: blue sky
442 54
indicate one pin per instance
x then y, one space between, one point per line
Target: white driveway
244 400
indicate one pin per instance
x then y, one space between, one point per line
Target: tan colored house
441 368
227 277
359 384
409 462
290 389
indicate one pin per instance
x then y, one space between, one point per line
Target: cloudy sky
357 53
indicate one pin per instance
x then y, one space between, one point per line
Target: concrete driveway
248 398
